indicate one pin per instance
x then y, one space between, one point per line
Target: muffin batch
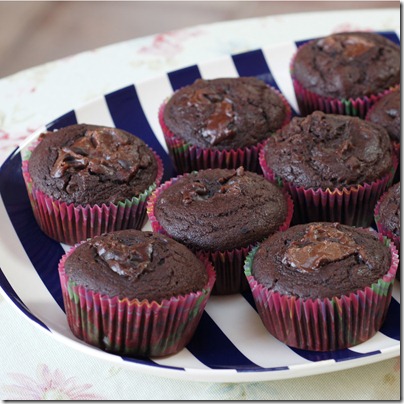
262 201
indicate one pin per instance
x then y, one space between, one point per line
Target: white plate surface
231 344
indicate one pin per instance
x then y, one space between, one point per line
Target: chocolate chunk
329 151
88 164
320 260
135 264
221 209
225 113
320 246
348 65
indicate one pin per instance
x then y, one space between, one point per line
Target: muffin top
136 265
89 164
320 260
387 113
329 151
221 209
348 65
389 210
225 113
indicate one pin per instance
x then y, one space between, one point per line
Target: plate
231 344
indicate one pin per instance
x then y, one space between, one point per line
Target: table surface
36 366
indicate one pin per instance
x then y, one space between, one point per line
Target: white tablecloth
33 365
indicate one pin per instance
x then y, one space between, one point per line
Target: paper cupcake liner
133 327
325 324
386 232
188 158
70 224
352 205
228 264
309 101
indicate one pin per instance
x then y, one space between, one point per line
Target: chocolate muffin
150 290
85 180
89 164
330 153
221 209
320 260
387 113
388 216
322 286
389 210
345 66
215 117
220 212
138 265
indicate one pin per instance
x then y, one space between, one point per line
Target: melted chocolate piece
198 190
321 244
225 113
126 260
194 191
136 264
98 152
221 209
348 65
90 164
217 125
350 46
329 151
330 260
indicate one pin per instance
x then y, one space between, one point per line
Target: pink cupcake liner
325 324
352 205
133 327
228 264
187 157
386 232
70 224
309 101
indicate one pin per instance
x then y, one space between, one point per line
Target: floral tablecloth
33 365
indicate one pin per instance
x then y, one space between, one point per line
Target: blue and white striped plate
231 344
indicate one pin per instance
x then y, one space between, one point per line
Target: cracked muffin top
225 113
90 164
221 209
320 260
136 265
329 151
348 65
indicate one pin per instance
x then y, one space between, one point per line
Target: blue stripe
43 252
391 326
300 43
212 347
389 329
339 355
392 36
65 120
127 114
253 63
183 77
